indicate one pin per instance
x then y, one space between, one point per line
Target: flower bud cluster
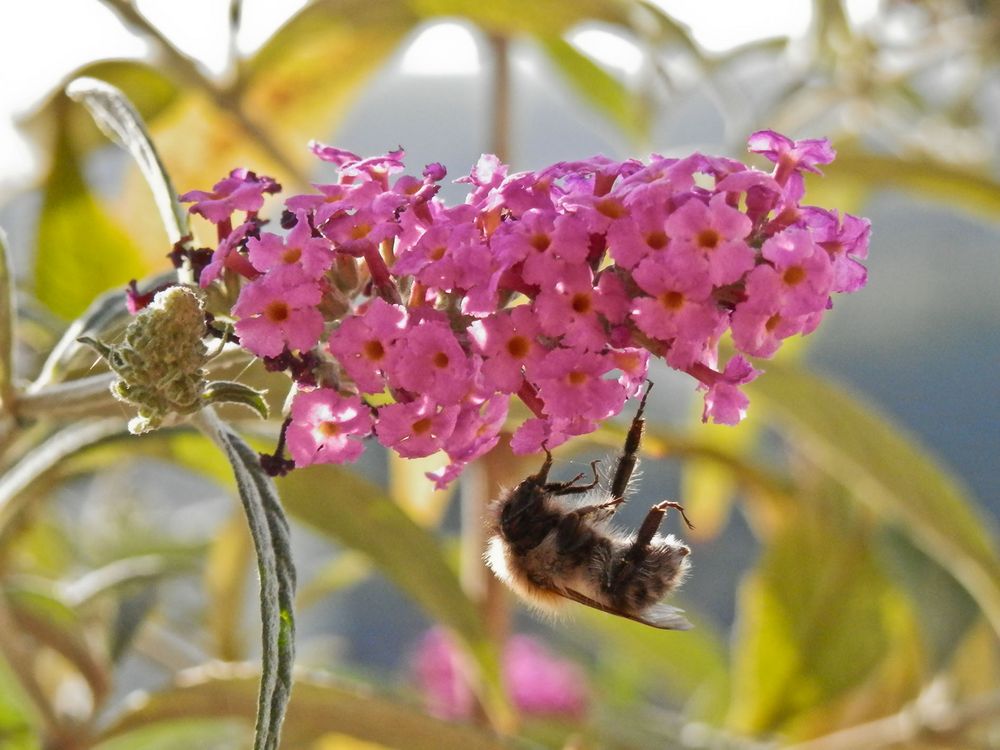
420 321
160 361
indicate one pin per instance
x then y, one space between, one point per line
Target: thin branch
921 720
188 71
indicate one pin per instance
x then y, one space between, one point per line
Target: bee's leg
571 487
630 452
543 472
652 522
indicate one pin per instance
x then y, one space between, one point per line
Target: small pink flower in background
538 683
327 427
441 673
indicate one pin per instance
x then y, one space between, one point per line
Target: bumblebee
552 541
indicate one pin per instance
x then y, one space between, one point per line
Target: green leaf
80 250
119 120
269 530
182 734
318 707
537 17
41 614
226 582
358 514
974 192
890 473
692 665
413 493
36 465
945 611
17 730
8 313
608 95
811 621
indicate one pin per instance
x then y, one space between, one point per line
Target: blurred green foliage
876 594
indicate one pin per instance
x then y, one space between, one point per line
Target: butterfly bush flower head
417 322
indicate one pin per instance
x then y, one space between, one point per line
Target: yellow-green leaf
887 471
81 251
607 94
318 707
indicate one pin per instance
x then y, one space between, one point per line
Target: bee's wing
661 616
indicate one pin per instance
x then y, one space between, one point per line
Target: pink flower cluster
537 683
416 321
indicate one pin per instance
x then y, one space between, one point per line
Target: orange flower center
440 360
657 240
328 429
794 275
292 254
373 350
672 300
577 378
611 207
277 311
581 303
421 426
540 242
708 239
518 347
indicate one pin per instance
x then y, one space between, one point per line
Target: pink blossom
363 343
476 433
327 427
507 341
299 249
681 305
571 384
760 333
725 403
242 190
279 310
712 235
228 256
800 279
791 158
537 433
845 240
416 428
442 673
569 308
429 360
631 241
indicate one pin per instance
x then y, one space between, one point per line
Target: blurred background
845 558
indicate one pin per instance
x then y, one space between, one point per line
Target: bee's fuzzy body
555 541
